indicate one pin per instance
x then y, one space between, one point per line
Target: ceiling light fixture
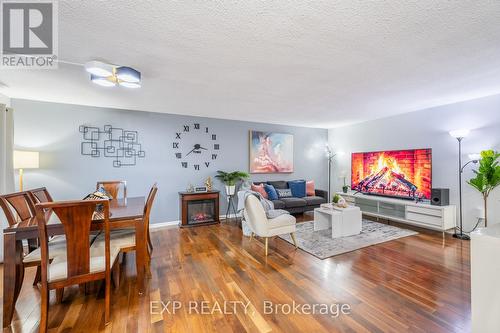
102 81
99 68
128 74
107 75
132 85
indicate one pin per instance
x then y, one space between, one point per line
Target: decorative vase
230 189
345 188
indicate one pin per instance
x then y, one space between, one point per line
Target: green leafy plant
231 178
336 198
487 177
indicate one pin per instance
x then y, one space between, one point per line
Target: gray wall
429 128
52 129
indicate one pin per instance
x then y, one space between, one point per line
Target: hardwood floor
413 284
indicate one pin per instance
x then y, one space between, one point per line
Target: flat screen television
403 174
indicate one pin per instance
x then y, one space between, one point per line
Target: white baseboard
176 223
164 224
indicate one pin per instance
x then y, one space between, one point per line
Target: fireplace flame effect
201 217
386 162
396 173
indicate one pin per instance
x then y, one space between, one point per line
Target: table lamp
25 160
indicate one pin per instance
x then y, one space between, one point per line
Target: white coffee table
343 221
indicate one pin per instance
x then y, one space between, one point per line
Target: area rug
321 244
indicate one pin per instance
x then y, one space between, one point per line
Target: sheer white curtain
6 155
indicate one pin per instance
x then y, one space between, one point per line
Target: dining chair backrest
40 195
149 205
76 218
20 203
113 187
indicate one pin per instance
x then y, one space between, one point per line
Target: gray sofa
297 205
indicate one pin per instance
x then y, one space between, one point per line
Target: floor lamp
329 155
460 135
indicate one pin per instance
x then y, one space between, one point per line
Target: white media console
419 214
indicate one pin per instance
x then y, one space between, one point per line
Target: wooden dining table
125 213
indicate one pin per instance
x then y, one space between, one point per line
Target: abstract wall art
271 152
112 142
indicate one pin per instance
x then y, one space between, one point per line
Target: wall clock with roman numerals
195 147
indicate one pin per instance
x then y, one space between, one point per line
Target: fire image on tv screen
397 173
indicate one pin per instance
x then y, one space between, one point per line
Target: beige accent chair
262 226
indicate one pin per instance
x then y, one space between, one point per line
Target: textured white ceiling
307 63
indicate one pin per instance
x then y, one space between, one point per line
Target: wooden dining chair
125 239
40 195
19 207
19 203
112 187
82 261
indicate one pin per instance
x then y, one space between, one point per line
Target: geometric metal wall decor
113 142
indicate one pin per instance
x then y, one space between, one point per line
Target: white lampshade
26 159
99 68
460 133
474 157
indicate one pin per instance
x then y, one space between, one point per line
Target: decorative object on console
271 152
487 177
440 196
460 135
108 75
25 160
190 188
209 184
200 189
196 145
121 145
405 174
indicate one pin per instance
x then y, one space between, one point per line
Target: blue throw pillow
271 192
298 188
284 193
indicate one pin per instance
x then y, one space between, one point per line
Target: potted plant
230 179
487 177
345 187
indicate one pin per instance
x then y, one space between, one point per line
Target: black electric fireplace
199 208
